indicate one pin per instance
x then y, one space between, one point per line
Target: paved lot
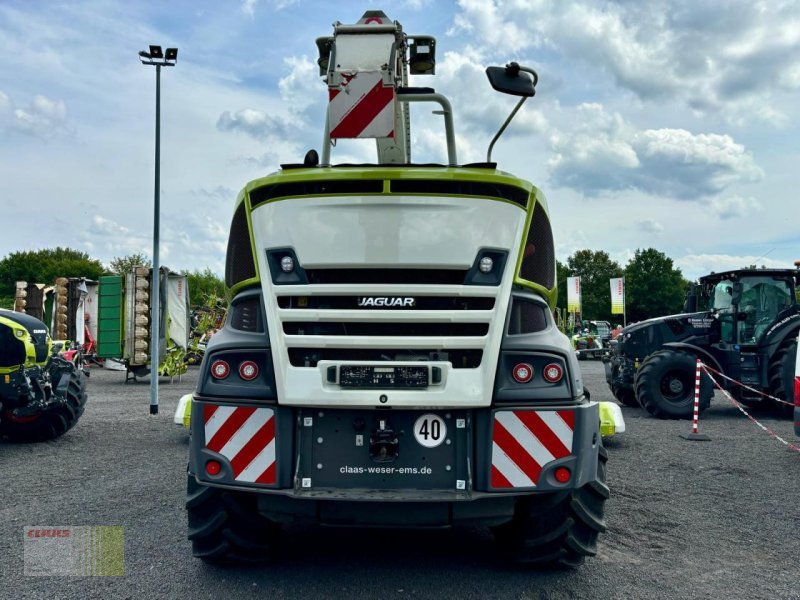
717 519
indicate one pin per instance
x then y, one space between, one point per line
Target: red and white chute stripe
246 437
524 441
362 107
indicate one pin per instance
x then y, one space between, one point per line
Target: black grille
526 317
246 315
385 329
315 188
408 276
239 265
538 263
309 357
461 188
351 302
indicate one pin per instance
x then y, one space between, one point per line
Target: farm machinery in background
69 306
124 308
591 339
746 329
108 321
41 394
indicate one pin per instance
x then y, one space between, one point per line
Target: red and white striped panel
363 107
246 437
524 441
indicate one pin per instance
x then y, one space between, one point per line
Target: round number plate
430 430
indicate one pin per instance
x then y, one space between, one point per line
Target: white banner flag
618 296
574 294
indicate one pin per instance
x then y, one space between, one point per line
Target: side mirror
690 302
736 293
510 80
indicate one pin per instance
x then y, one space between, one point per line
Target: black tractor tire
781 376
626 396
665 385
54 420
557 529
225 526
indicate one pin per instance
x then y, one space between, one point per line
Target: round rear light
562 474
553 373
248 370
220 369
522 373
213 467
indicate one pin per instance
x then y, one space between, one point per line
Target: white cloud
649 226
43 118
735 206
604 153
249 7
256 123
711 59
697 265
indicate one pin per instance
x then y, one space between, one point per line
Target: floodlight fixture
171 54
324 47
422 55
156 52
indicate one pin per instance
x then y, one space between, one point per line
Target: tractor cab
747 302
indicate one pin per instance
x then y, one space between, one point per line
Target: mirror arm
503 128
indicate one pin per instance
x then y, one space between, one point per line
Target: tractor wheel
557 529
226 526
54 420
626 396
781 375
665 385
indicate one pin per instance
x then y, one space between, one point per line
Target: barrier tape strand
772 434
747 387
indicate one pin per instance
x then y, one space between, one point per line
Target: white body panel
399 232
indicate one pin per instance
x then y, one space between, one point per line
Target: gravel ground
686 519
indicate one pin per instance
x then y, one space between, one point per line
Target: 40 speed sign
430 430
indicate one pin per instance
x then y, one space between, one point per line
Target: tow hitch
383 443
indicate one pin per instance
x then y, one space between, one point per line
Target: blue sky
671 124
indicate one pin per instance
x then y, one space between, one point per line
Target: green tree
43 266
203 285
120 265
595 268
653 286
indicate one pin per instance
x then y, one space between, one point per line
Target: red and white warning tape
708 371
747 387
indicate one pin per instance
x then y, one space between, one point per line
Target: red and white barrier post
695 435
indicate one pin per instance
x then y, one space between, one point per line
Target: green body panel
109 317
388 174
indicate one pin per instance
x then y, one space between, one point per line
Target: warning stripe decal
362 108
524 441
246 437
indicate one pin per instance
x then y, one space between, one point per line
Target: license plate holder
384 377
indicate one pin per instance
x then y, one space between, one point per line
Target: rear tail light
522 373
220 369
553 373
248 370
797 390
562 474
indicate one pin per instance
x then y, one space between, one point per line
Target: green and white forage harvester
390 356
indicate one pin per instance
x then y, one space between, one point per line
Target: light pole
159 59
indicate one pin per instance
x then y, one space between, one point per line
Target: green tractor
41 395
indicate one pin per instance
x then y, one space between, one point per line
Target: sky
656 123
